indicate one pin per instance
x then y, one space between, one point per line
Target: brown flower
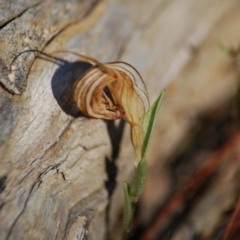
128 96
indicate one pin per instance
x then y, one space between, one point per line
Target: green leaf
133 192
128 210
139 181
148 123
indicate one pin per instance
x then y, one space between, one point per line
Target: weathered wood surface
53 160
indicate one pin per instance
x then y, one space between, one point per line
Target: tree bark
61 173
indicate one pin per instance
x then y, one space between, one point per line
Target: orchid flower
128 99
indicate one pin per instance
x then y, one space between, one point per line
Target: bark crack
37 182
54 143
86 14
19 15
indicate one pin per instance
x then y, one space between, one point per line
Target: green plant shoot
139 181
133 192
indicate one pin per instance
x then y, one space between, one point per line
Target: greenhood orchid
128 100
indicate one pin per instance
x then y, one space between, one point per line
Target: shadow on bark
115 133
63 85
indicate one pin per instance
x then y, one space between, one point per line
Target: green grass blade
148 123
